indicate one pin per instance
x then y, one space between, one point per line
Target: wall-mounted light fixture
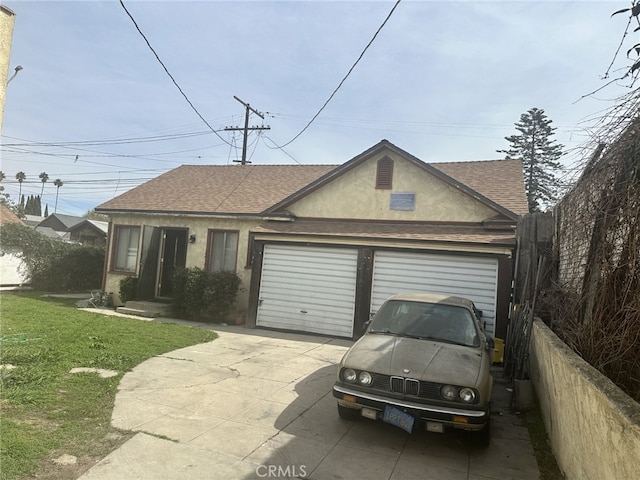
192 239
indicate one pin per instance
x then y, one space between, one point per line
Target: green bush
204 296
54 265
128 289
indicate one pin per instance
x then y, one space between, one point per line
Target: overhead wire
169 73
265 137
118 141
344 78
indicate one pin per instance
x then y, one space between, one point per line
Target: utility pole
246 129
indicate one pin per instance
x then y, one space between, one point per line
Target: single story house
70 228
319 247
89 232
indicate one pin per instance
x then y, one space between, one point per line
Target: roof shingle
230 189
253 189
499 180
454 233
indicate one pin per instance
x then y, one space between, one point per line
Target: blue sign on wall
403 201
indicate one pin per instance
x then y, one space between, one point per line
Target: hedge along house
319 247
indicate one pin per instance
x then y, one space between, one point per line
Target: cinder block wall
594 427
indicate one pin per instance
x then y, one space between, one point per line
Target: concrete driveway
257 404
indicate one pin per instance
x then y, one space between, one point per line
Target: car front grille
406 386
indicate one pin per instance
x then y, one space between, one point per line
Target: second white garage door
308 289
475 278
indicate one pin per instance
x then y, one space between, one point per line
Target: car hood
425 359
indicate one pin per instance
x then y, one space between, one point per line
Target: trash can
498 350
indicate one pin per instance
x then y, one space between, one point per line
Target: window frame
117 229
209 252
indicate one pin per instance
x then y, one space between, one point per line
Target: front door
173 256
147 279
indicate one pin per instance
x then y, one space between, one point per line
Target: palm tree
43 178
58 183
20 176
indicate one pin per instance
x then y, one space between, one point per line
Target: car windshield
434 321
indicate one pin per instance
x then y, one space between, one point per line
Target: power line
169 74
91 143
345 77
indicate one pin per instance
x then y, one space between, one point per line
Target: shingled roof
7 216
498 180
221 189
256 189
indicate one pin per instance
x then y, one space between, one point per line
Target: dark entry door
148 263
173 256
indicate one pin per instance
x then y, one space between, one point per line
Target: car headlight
467 395
365 379
449 392
349 375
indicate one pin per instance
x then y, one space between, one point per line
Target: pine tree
539 154
28 209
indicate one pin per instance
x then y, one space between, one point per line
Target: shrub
52 264
128 289
202 295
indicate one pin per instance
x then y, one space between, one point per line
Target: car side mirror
366 325
490 343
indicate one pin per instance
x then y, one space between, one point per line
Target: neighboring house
89 232
13 271
32 220
59 222
55 226
319 247
70 228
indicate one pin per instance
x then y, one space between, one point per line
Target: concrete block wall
593 426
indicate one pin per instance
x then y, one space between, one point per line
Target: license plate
398 418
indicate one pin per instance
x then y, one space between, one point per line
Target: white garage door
308 289
475 278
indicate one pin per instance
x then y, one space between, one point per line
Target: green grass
45 411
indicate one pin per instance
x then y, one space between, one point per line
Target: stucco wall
593 426
195 251
7 21
435 200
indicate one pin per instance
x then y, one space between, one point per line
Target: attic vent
384 176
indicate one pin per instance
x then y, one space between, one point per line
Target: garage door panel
284 303
475 278
308 289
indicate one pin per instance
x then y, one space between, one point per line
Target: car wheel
348 413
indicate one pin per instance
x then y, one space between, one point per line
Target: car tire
346 413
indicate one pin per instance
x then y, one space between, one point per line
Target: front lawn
46 412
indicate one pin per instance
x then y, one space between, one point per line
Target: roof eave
173 213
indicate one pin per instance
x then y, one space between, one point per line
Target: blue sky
444 80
